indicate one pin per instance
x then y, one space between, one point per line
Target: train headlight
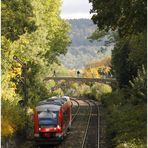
59 128
55 129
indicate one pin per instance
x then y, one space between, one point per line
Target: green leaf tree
17 18
128 17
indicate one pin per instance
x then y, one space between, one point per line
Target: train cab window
48 119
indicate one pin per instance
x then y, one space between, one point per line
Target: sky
75 9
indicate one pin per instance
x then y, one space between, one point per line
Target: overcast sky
75 9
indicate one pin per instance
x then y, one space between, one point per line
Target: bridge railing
100 80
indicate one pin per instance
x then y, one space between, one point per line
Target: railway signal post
24 76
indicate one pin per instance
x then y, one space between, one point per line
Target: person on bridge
54 73
78 73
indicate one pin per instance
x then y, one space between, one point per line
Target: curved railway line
91 136
75 110
84 132
76 134
92 131
88 123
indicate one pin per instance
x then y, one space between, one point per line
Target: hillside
81 51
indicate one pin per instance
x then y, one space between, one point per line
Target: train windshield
48 119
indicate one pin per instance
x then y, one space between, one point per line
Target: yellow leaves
8 86
99 89
90 73
104 88
93 69
58 92
62 81
107 70
6 127
74 85
5 43
23 39
84 89
95 72
12 117
16 70
104 62
8 90
87 73
29 110
20 46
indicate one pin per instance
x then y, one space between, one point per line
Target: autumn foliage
97 69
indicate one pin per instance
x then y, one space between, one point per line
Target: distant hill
82 51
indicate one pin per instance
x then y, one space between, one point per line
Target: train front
47 124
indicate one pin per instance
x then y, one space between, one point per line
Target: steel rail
76 111
98 124
84 138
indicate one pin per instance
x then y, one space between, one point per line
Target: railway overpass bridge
109 81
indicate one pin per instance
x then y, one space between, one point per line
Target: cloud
75 9
75 15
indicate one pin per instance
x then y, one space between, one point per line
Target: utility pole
24 76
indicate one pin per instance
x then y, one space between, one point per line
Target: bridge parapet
75 79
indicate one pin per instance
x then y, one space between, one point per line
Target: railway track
91 138
84 132
75 109
88 123
79 124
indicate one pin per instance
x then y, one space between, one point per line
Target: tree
126 107
29 45
51 37
17 18
128 17
138 48
124 68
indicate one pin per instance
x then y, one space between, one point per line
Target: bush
132 144
98 89
126 114
13 118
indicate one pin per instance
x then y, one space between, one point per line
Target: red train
52 119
